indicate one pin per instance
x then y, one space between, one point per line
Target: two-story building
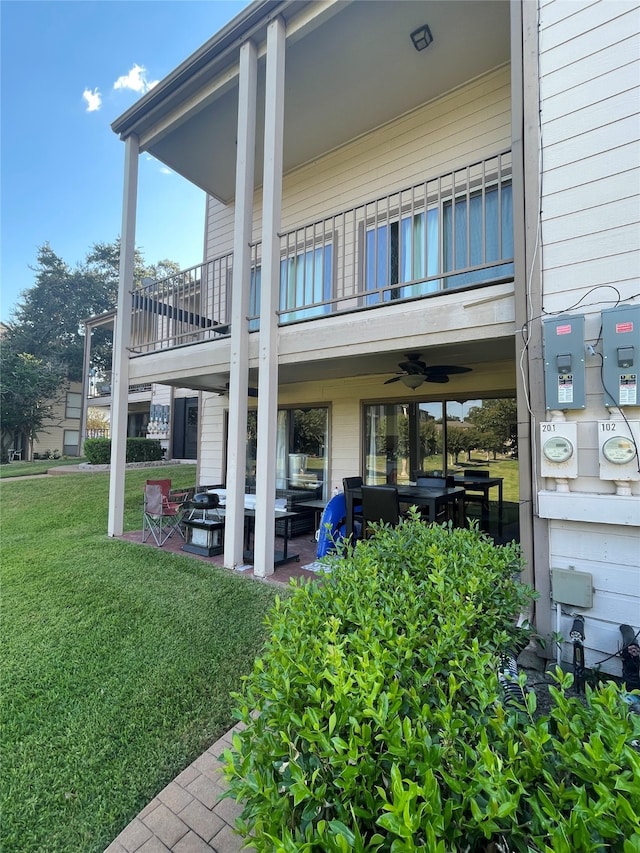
442 194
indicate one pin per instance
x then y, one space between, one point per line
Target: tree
48 323
494 421
457 441
31 387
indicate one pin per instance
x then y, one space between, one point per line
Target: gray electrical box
564 369
571 587
621 355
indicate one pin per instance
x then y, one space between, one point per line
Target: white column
122 335
268 345
239 370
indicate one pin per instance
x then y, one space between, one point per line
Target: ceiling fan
251 392
415 371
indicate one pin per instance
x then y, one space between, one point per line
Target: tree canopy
29 392
43 345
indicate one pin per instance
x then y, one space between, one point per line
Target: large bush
98 450
375 720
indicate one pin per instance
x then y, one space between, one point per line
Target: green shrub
98 450
374 719
143 450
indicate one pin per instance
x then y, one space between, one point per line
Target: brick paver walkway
188 816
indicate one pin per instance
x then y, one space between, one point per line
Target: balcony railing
100 386
452 231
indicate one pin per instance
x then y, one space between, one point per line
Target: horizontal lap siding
465 125
612 557
590 133
590 129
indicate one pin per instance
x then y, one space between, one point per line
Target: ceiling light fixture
421 37
412 380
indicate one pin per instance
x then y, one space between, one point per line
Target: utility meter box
621 355
558 444
564 367
571 587
618 448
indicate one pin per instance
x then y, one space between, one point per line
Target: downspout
120 365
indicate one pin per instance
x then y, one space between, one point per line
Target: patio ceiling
483 356
349 69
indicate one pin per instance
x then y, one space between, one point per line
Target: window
404 257
254 298
477 232
73 405
399 252
70 440
305 280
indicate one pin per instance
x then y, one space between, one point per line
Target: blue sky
68 69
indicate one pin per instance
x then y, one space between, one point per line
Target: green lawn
117 661
40 466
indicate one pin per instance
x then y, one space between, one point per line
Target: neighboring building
61 437
373 195
153 411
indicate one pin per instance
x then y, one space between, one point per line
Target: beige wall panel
584 198
588 67
211 438
605 243
592 169
603 218
592 143
467 124
585 30
620 270
566 120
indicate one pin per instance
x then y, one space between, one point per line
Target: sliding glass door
301 450
436 437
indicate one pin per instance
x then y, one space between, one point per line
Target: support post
120 364
239 359
264 539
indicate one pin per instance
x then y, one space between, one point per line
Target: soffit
350 69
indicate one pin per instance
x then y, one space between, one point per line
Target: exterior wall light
421 37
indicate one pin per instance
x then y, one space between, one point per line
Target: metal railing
100 386
451 231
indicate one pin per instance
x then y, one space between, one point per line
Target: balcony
100 386
449 232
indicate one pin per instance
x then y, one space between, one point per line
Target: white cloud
93 99
165 171
136 80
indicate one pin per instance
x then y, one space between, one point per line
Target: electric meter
558 449
618 450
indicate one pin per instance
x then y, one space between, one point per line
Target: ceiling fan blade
447 368
440 378
393 379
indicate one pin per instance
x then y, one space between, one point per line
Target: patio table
432 499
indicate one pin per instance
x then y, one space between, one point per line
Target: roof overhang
350 67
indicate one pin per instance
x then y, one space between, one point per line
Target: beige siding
51 438
590 129
465 125
611 556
